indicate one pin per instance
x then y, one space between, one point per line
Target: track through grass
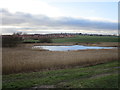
98 76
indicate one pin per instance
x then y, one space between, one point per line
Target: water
68 48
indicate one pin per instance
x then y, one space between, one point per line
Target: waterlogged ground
98 76
72 47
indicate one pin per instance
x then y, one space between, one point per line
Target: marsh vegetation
55 69
21 59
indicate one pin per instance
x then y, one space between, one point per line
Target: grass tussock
15 60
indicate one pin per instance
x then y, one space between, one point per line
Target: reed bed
19 60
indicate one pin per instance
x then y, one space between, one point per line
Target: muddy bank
103 44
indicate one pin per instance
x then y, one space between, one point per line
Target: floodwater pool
69 48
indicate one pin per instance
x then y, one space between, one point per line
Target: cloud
25 21
30 6
82 0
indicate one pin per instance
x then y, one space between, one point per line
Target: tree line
14 40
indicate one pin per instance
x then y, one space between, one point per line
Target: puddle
69 48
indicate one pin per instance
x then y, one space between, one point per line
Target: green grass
80 39
31 41
87 39
108 81
98 76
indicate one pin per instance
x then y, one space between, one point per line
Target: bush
11 41
45 40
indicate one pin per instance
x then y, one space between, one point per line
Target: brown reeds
15 60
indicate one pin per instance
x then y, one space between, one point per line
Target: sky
59 16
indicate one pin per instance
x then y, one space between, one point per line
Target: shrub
11 41
45 40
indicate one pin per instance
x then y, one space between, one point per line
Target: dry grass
20 59
104 44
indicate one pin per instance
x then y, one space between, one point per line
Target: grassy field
31 41
98 76
17 60
92 39
87 39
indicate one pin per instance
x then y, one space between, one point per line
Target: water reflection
73 47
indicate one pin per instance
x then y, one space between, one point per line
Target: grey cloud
8 30
44 22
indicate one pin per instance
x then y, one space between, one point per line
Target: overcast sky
56 16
